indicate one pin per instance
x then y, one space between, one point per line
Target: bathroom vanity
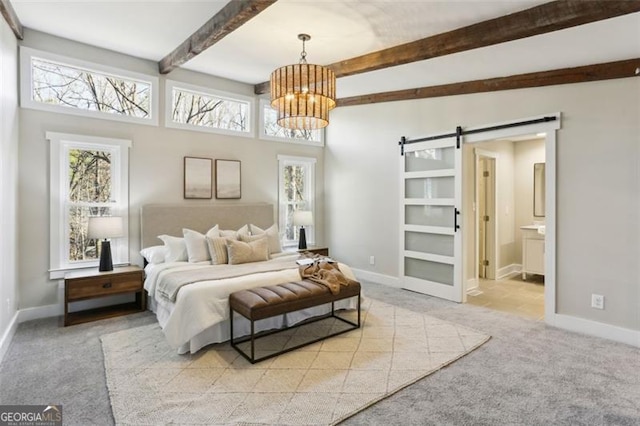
532 250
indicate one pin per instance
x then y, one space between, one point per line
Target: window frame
170 85
58 219
26 86
310 162
264 103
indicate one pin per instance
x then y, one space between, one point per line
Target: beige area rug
320 384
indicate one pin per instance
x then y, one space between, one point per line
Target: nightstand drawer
81 288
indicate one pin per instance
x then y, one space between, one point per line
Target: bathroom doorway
485 187
502 190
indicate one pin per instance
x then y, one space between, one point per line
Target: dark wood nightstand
322 251
86 285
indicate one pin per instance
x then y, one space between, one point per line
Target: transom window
55 83
200 108
269 129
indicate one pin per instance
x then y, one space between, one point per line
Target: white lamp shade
302 218
105 227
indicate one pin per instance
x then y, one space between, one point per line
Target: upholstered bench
266 302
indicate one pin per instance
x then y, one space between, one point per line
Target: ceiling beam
546 18
605 71
228 19
12 19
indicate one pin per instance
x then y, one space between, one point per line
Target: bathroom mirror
538 190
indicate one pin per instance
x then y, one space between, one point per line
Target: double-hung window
89 177
296 192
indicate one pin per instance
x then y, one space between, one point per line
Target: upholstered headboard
158 219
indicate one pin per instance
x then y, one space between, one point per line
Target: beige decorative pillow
249 238
218 250
273 237
241 252
235 235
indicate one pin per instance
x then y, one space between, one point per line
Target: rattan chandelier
302 93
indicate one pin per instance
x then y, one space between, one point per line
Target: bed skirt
219 332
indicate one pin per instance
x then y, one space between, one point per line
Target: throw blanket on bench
170 283
327 274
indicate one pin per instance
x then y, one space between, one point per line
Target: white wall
526 154
156 162
8 182
598 183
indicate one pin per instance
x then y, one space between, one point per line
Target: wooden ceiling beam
605 71
12 19
546 18
228 19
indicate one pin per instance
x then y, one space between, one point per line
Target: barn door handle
456 212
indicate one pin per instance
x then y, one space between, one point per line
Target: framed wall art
197 177
228 179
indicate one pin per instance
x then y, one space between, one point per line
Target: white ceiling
340 29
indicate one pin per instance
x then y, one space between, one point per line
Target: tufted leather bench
266 302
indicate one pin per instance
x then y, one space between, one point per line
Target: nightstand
86 285
322 251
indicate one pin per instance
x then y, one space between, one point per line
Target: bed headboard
158 219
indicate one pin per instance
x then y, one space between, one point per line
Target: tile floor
513 295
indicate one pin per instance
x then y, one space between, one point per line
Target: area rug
320 384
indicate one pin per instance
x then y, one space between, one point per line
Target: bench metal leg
231 324
253 343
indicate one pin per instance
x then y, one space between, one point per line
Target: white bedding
200 314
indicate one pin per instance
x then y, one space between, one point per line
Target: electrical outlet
597 301
8 304
372 260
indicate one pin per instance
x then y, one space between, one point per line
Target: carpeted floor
528 374
319 384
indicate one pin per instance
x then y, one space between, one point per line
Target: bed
198 313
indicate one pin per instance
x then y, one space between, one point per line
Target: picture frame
228 183
198 178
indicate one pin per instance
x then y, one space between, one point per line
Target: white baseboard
597 329
7 337
38 312
377 278
57 309
509 270
472 284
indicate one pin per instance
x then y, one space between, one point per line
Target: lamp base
105 257
302 243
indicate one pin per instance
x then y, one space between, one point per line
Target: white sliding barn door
431 240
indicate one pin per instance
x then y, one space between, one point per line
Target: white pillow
273 236
154 254
197 250
176 249
235 235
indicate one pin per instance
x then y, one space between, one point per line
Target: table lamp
105 227
302 218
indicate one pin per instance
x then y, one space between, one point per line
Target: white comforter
200 313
